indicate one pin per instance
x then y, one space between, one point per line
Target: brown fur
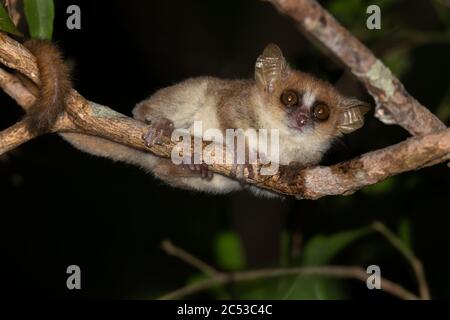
54 86
234 109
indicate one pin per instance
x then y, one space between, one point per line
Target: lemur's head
305 104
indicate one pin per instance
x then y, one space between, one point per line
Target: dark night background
62 207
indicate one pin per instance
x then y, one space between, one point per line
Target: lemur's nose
302 119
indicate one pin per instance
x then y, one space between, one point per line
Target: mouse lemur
308 113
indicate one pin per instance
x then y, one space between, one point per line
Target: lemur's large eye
289 98
321 112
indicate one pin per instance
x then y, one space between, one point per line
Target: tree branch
15 89
222 278
394 105
173 250
415 263
14 136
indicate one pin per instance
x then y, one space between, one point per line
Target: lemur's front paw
202 170
158 128
289 173
238 171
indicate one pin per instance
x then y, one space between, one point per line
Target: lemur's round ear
351 116
270 68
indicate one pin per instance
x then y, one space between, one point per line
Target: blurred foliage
405 233
398 60
397 37
443 109
229 251
320 250
39 15
442 11
381 188
6 23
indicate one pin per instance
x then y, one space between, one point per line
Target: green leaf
262 289
6 23
40 15
346 10
321 250
229 251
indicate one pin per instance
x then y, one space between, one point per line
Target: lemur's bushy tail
55 85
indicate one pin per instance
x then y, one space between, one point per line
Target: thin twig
185 256
222 278
16 90
415 263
